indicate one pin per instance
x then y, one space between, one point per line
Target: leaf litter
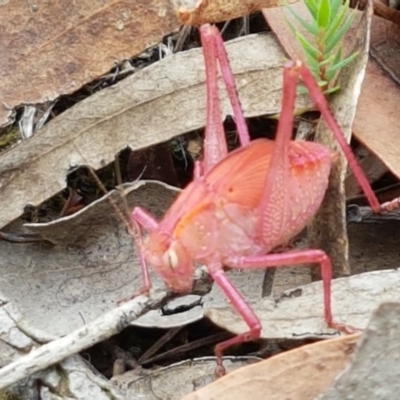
81 294
123 115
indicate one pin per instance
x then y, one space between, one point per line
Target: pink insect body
242 205
217 217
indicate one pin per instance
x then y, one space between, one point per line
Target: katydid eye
172 258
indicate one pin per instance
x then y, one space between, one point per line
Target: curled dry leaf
89 267
152 106
199 12
301 374
54 48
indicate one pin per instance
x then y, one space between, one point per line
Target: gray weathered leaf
155 104
91 265
176 380
299 312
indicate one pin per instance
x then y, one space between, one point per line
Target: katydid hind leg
298 258
243 308
215 146
322 104
274 205
230 85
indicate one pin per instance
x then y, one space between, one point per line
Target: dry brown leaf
382 8
198 12
155 104
54 48
376 121
359 366
379 130
374 372
299 374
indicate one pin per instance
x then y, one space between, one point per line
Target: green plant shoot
330 21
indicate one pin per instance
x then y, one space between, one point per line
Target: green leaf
336 37
330 75
313 65
329 21
324 13
302 89
335 6
338 55
336 22
326 61
332 90
307 46
337 58
311 27
341 64
312 8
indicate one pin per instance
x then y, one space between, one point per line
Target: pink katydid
242 205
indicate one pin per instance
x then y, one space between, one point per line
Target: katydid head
171 261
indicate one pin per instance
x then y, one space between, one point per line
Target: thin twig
216 338
168 336
100 329
22 237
